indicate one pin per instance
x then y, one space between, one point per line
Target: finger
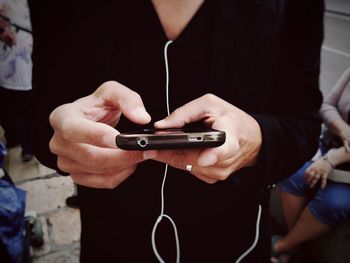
177 158
73 167
92 156
205 179
224 154
195 171
309 174
314 180
191 112
81 121
82 130
228 150
215 173
207 174
108 181
204 157
125 99
324 180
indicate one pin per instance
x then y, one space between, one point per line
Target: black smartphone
162 139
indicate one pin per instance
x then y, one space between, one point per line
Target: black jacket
262 56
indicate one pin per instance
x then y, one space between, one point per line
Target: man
257 63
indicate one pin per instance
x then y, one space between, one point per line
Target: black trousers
12 111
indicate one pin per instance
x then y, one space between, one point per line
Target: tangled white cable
162 214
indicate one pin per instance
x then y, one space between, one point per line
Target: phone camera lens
142 142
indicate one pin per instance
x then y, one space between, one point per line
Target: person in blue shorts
311 203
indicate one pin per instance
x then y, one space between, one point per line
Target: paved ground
46 194
336 49
46 191
339 6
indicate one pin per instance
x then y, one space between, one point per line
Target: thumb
193 111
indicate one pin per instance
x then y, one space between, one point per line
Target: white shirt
15 61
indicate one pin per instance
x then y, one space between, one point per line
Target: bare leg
292 206
306 228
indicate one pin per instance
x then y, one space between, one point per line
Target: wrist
329 160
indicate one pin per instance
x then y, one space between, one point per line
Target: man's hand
243 139
6 33
84 137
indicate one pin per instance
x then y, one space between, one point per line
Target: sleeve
50 72
329 110
291 124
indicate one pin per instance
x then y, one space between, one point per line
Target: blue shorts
330 205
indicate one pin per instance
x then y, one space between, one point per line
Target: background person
306 217
15 73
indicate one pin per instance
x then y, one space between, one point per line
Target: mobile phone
162 139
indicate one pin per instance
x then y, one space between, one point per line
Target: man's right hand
84 137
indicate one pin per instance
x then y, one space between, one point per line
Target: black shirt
260 58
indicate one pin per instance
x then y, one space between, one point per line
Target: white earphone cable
167 75
162 215
257 231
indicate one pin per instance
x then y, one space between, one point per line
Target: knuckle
53 145
176 113
76 179
210 97
111 183
225 154
52 118
115 179
211 181
105 86
64 129
223 174
226 164
108 84
90 158
55 119
62 165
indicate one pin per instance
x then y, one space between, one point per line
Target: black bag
329 140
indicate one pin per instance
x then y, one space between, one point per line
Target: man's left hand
241 149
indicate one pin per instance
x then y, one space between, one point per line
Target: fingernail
159 123
149 154
208 160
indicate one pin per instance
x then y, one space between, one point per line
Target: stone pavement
46 194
